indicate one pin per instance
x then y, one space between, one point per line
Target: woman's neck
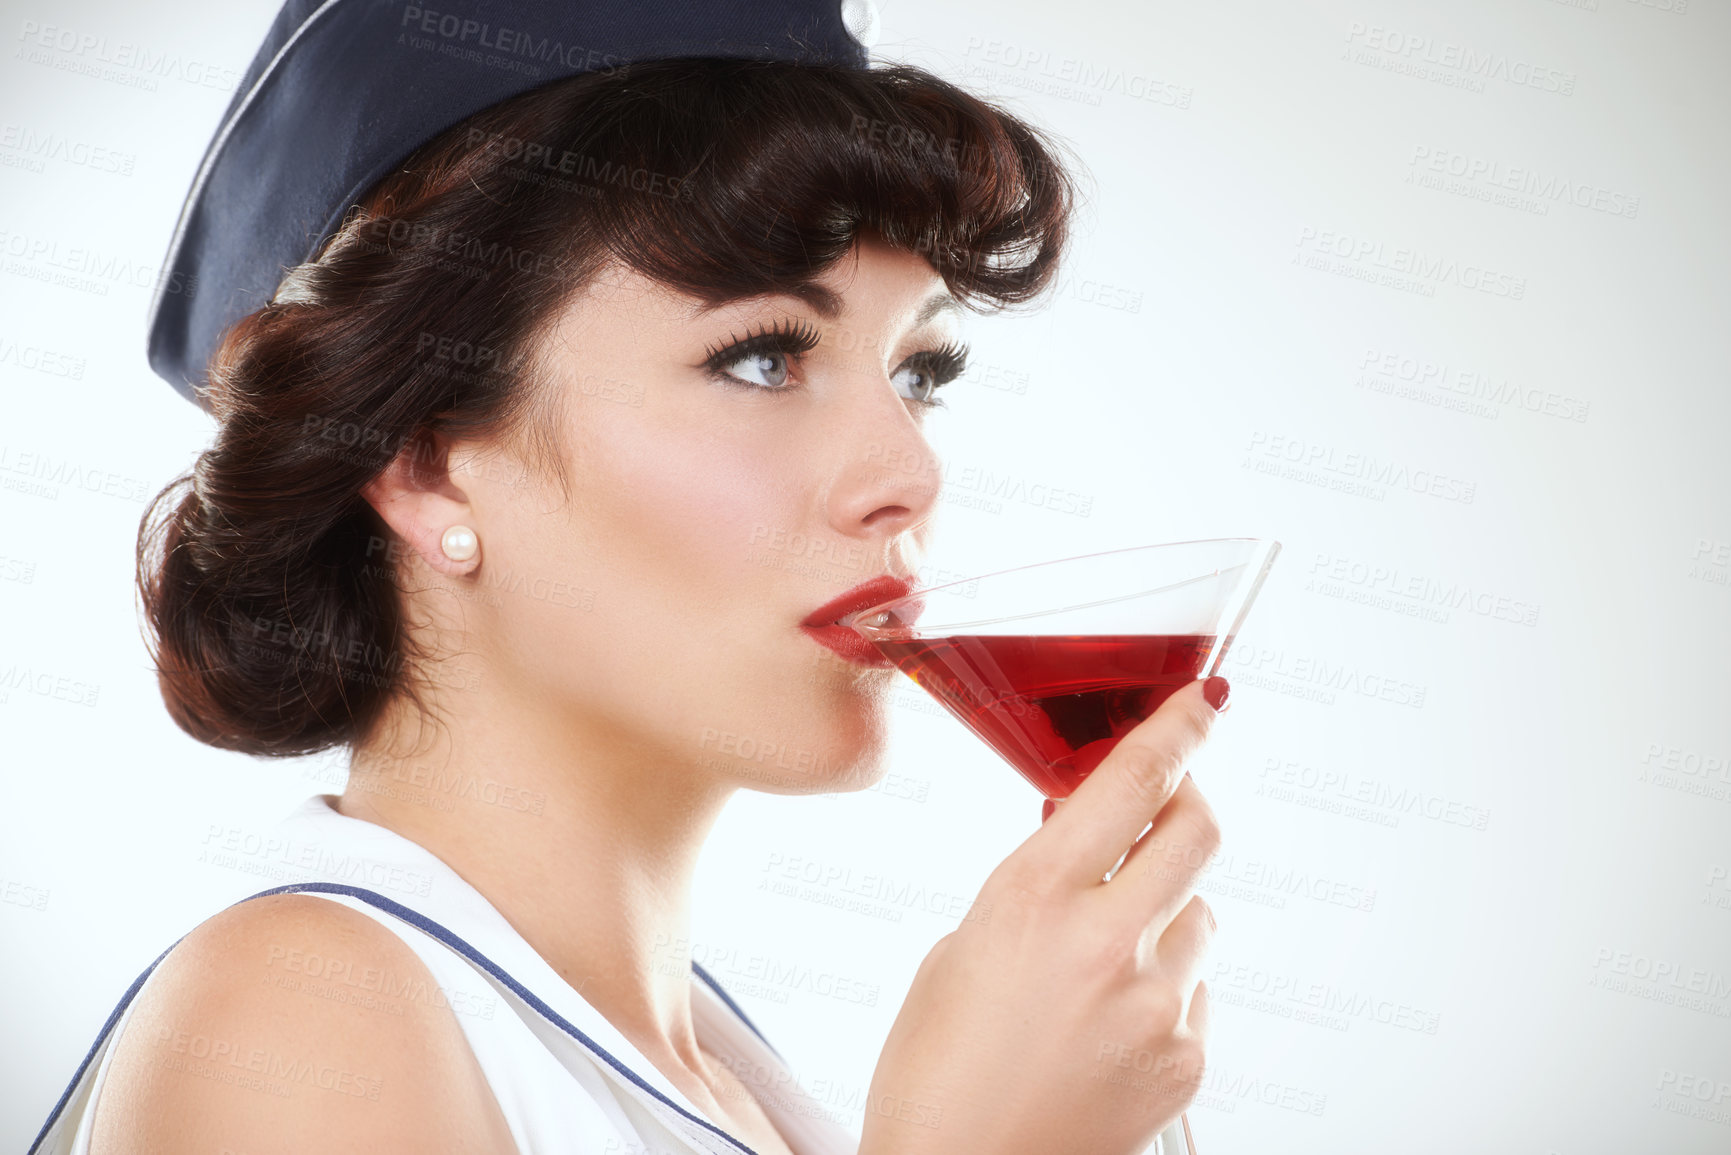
585 840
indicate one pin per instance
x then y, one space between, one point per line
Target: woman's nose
890 475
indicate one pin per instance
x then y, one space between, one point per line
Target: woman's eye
924 373
917 383
766 369
760 360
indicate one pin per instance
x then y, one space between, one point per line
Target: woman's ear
418 498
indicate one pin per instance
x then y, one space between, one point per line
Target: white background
1194 376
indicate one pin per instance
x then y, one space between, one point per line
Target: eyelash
945 364
790 338
793 338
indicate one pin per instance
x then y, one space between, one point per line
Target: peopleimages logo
1391 587
1285 994
1386 371
1353 472
44 146
1068 77
52 472
1287 781
1494 175
120 61
1424 269
1399 51
1662 980
40 360
462 31
1317 679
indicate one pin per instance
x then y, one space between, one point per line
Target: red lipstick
820 623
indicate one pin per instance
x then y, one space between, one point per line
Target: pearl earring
459 543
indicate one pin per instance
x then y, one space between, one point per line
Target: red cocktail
1054 706
1052 664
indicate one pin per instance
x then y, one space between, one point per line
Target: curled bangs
727 179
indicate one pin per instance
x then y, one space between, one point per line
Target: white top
565 1079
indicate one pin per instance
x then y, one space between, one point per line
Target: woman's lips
820 623
848 644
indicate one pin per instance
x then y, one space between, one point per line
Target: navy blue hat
342 90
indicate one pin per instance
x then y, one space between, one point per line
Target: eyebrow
826 303
935 304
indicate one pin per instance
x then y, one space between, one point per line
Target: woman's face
715 501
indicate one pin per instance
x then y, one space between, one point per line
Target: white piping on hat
215 149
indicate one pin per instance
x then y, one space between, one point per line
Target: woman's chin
831 742
833 768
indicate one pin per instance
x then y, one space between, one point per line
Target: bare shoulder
246 1037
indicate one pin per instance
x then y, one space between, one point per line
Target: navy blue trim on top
452 940
113 1018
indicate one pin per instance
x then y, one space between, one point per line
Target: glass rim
848 620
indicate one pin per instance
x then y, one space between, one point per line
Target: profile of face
727 471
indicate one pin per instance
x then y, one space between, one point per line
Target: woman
483 508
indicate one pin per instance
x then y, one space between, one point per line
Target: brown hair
275 626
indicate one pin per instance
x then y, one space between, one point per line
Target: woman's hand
1068 1017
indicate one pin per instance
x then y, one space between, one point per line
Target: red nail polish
1047 809
1216 691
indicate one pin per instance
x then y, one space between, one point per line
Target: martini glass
1051 664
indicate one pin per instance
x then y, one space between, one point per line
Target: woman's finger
1200 1010
1101 820
1159 875
1183 949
